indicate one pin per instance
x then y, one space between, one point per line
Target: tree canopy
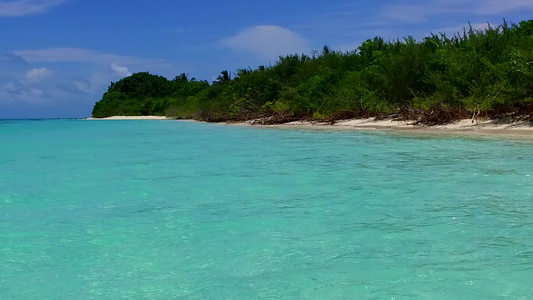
436 79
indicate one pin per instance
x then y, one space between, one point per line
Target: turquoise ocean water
179 210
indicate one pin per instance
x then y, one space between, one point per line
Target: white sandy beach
482 127
131 118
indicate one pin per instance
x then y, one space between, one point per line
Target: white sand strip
481 127
131 118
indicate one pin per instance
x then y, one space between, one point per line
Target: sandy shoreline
131 118
478 127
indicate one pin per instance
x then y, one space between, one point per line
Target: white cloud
420 11
38 74
19 92
35 92
120 70
267 41
10 58
96 84
406 12
460 28
100 79
82 56
492 7
417 11
27 7
82 86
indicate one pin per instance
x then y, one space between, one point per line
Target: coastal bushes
434 80
146 94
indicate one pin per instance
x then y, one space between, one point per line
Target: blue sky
57 57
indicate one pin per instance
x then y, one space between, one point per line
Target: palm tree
224 77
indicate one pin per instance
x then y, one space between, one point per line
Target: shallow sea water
179 210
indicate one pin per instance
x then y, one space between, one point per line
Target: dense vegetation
435 80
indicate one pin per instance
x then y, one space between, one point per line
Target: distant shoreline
131 118
466 126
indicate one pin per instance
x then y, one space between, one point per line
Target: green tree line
434 80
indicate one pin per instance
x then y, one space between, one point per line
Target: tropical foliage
435 80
